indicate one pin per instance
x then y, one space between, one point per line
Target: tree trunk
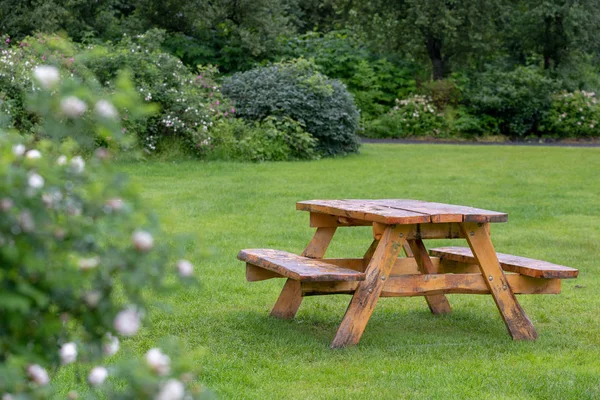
434 49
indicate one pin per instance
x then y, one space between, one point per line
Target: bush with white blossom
574 114
77 251
413 116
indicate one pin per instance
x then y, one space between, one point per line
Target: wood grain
422 285
297 267
400 211
289 300
522 265
517 322
438 303
367 294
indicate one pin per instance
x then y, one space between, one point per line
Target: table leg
438 303
289 300
367 293
519 326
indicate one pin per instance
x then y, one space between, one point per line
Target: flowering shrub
574 114
296 90
269 140
77 250
188 104
413 116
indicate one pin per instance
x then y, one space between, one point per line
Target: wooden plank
438 303
318 220
298 267
508 262
422 285
455 267
367 294
289 300
317 247
254 273
517 322
401 266
426 231
358 209
440 212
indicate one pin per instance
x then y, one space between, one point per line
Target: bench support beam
518 324
289 300
367 293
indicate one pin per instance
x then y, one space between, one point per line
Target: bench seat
521 265
296 267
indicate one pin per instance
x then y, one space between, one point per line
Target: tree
446 32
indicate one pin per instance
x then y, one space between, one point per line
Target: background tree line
489 67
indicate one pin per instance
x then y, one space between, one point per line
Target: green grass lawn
552 197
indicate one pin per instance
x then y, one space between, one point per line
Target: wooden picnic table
403 225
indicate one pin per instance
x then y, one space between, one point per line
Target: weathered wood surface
288 301
320 241
254 273
438 303
367 293
522 265
517 322
399 211
426 231
423 285
298 267
318 220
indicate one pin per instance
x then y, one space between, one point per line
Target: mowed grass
552 196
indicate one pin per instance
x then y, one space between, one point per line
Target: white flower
88 263
114 204
38 374
185 268
106 109
142 240
92 298
127 322
46 75
7 396
33 154
78 164
158 361
111 345
62 160
6 204
68 353
18 149
35 181
171 390
97 376
72 106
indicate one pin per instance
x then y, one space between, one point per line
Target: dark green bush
374 81
295 89
272 139
518 100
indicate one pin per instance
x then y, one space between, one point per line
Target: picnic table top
401 211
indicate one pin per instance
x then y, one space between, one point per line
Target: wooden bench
520 265
264 264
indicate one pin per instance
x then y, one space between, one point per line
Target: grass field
552 196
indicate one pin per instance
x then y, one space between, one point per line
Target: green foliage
297 90
374 81
272 139
414 116
78 249
574 114
518 100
